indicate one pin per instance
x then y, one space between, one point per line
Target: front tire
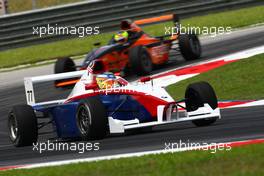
92 119
22 125
140 60
196 95
190 46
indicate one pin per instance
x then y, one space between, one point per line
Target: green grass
241 80
23 5
247 160
49 51
32 54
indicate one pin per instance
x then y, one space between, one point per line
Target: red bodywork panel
116 61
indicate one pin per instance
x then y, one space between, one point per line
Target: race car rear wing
30 81
153 20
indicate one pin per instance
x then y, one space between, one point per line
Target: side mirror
145 79
92 86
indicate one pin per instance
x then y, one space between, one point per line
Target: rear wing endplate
30 81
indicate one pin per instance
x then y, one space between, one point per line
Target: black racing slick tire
22 125
190 46
196 95
140 60
91 118
63 65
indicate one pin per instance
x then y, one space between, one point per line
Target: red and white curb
240 104
185 72
234 104
173 76
137 154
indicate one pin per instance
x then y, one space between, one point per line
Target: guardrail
16 30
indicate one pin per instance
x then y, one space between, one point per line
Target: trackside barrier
16 30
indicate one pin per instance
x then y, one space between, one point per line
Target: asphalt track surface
236 124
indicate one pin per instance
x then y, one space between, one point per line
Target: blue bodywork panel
128 108
122 107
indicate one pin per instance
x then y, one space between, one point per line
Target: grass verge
247 160
24 5
241 80
32 54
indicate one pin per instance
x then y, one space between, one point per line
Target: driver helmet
121 36
107 80
126 24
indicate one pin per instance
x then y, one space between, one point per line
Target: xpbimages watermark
80 147
65 30
205 30
187 145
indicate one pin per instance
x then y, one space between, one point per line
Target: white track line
138 154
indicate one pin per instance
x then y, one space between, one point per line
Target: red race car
131 49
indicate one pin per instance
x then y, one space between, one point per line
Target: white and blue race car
102 104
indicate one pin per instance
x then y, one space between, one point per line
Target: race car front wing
166 115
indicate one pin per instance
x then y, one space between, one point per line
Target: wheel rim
13 127
84 119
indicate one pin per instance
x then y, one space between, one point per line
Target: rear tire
190 46
196 95
22 125
140 60
63 65
92 119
